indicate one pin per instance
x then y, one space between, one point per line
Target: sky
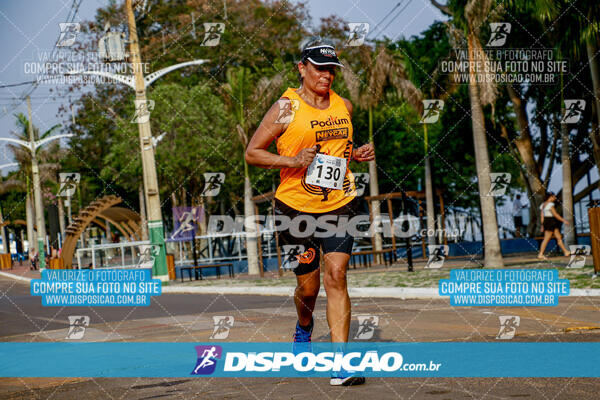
31 27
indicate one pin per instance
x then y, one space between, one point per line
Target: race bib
326 171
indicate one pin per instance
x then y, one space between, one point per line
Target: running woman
313 131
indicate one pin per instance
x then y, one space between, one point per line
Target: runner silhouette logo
213 181
578 255
77 325
207 359
366 326
68 183
186 221
573 111
68 33
361 180
437 255
500 31
212 33
357 34
431 111
223 323
142 111
147 254
289 257
287 110
508 326
499 183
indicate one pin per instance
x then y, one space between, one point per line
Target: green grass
579 278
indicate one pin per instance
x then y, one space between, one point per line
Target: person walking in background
33 258
551 222
517 213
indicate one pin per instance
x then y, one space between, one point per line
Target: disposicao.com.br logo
220 362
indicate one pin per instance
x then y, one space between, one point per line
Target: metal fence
116 255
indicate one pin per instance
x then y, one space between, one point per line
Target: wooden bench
363 257
197 268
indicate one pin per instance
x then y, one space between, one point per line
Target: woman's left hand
364 153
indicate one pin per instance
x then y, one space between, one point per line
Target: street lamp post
33 145
2 230
155 224
139 83
37 196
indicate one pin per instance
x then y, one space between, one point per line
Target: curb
360 292
356 292
255 290
15 277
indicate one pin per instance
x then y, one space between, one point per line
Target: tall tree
375 69
5 186
467 19
414 75
575 29
248 99
589 26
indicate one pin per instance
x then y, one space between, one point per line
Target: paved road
188 318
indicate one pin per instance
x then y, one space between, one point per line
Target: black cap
321 55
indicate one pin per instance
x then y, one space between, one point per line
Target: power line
397 15
35 84
386 16
17 84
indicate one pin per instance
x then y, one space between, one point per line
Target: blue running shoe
346 378
302 339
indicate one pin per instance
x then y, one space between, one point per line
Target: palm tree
589 27
576 28
5 186
366 90
467 20
406 88
240 91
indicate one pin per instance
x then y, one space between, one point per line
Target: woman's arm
269 130
557 216
365 152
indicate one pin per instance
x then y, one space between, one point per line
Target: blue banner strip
185 359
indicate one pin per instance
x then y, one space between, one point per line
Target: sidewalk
374 282
21 271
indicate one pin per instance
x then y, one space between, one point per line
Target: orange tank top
332 130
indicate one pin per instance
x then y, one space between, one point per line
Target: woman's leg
338 301
305 295
560 242
547 236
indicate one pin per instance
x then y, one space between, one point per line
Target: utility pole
429 202
69 209
155 224
193 26
37 195
138 82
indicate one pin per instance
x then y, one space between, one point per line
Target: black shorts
518 221
301 254
551 223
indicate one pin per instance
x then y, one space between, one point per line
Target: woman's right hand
304 158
